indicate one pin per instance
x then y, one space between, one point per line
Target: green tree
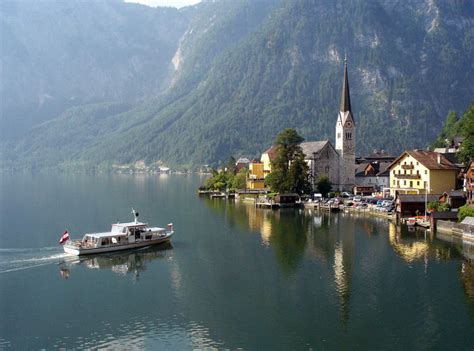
324 185
467 132
230 166
288 172
298 175
240 180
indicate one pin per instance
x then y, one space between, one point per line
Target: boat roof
104 235
130 224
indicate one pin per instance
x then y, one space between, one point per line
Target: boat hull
80 251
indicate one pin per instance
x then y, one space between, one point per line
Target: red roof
430 159
272 152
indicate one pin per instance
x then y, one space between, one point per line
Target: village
428 188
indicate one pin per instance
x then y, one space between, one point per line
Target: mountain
243 71
59 54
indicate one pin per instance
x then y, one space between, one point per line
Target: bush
465 211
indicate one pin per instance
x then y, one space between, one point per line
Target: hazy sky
173 3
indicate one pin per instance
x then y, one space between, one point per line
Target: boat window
114 240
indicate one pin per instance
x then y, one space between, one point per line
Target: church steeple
345 97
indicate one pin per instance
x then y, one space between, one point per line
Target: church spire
345 97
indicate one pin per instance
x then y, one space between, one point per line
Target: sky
172 3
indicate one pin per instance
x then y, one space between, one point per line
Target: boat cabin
122 234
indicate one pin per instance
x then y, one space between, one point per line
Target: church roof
313 147
345 97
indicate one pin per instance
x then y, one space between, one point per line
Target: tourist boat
123 236
411 222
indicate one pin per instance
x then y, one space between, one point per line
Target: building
256 176
454 199
267 157
408 205
346 138
419 171
323 158
468 185
241 163
373 174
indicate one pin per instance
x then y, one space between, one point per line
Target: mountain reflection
122 263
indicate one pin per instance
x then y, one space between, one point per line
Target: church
322 157
338 162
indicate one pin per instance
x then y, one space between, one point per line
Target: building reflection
122 263
407 248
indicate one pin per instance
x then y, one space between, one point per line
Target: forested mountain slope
245 70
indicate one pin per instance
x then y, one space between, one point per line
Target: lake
233 277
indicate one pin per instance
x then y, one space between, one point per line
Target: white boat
123 236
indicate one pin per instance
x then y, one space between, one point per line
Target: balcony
407 176
407 167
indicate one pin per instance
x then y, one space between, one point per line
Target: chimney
439 158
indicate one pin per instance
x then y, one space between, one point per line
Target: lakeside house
408 205
419 171
468 185
256 176
241 163
372 177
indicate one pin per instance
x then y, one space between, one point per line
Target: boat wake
12 259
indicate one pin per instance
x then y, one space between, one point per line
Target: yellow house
418 172
259 170
267 158
256 176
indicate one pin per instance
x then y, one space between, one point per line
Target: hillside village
415 182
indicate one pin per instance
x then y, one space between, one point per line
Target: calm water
234 276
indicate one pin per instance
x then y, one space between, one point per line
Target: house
256 176
242 162
407 205
267 157
373 174
419 171
455 199
380 156
286 200
468 185
364 190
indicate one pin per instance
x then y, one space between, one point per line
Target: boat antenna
135 213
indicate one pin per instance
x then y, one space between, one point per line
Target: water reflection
122 263
331 239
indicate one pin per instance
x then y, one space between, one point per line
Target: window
418 183
411 184
404 182
426 171
425 185
348 135
339 135
394 182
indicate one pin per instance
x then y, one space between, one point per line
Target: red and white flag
64 237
